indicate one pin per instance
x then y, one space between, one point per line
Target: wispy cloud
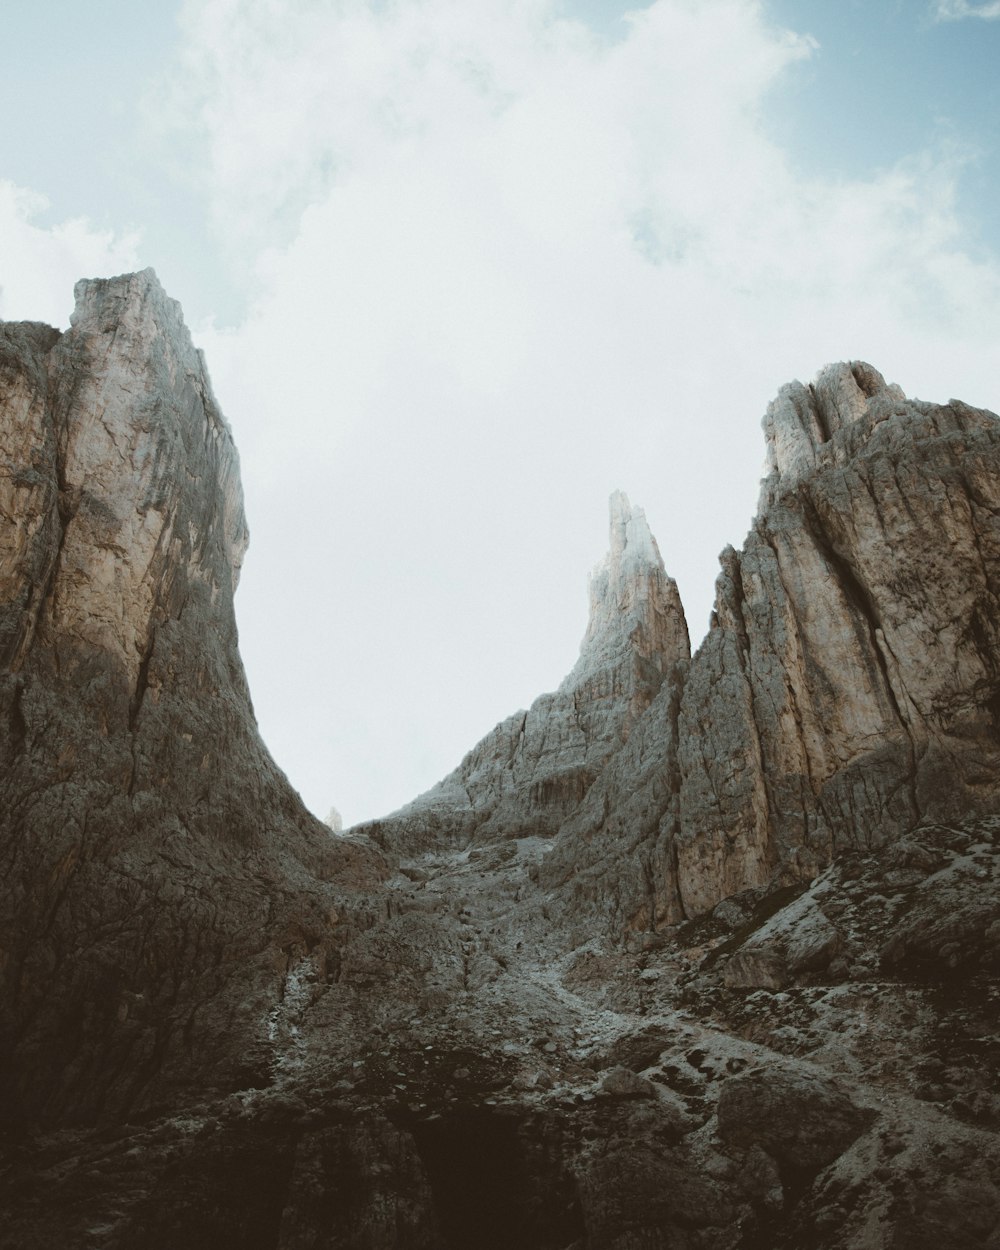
954 10
40 263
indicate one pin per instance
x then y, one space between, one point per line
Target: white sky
463 267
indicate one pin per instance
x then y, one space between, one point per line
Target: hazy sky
464 267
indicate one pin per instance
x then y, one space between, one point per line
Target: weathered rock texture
157 870
850 685
533 769
533 1032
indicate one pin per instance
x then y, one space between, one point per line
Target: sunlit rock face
158 868
850 684
848 688
533 770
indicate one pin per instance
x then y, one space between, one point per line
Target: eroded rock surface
847 690
526 776
849 686
569 1016
158 871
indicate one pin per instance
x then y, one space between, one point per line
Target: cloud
503 265
953 10
39 264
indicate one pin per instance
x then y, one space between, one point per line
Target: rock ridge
855 635
220 1024
848 688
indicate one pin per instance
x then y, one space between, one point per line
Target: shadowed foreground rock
698 954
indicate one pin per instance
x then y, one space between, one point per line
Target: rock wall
158 871
224 1025
850 684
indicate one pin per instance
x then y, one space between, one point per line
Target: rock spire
223 1024
533 769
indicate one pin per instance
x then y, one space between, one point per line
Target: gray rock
624 1083
161 876
759 967
848 687
803 1119
535 768
285 1045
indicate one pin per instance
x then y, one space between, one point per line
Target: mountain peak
805 424
635 608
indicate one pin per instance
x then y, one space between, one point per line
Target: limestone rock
849 686
799 939
611 862
624 1083
159 871
803 1119
526 776
283 1045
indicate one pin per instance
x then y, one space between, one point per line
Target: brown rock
161 876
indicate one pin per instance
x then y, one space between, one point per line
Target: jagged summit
804 425
635 610
156 856
222 1025
534 768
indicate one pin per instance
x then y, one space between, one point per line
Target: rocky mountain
848 687
157 867
697 952
533 769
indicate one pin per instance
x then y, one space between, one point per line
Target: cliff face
224 1025
850 683
849 687
158 869
526 776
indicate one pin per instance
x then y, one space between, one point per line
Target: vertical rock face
158 871
848 689
533 770
849 686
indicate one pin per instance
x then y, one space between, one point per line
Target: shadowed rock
159 874
285 1046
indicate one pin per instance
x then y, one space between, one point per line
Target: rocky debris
523 1108
801 1119
799 940
533 769
160 876
624 1083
